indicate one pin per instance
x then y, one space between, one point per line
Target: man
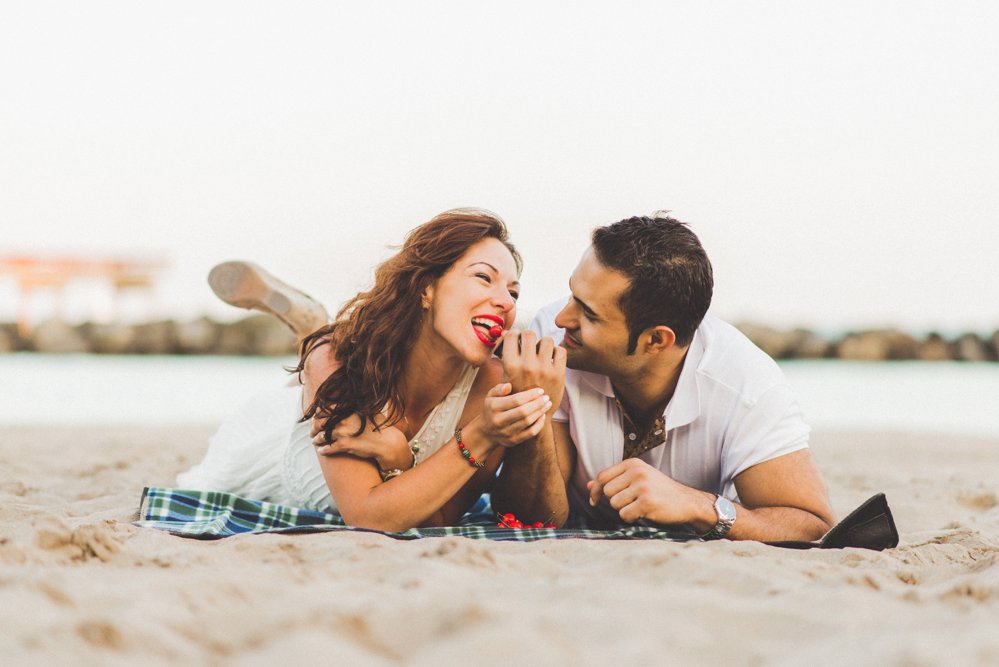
668 416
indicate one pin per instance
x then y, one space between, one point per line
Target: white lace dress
263 452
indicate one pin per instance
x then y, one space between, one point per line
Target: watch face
725 508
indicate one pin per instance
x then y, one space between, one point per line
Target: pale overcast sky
839 160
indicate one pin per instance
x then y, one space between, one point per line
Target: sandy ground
80 585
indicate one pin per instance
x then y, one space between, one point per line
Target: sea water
36 389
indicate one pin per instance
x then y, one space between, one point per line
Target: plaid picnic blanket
213 514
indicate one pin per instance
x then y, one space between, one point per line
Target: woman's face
477 295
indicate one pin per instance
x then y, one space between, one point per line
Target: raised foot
247 285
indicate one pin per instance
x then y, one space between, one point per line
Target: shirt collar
685 406
600 383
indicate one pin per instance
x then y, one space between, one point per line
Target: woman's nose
504 301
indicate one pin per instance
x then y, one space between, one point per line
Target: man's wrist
703 513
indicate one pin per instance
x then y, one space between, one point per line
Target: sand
79 584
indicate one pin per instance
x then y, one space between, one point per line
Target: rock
970 347
154 338
112 338
877 346
809 345
197 336
775 343
257 334
234 340
934 348
57 337
10 341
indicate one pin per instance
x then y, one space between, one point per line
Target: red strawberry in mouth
488 328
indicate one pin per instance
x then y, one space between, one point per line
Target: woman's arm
437 484
413 498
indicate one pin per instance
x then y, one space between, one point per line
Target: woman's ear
428 297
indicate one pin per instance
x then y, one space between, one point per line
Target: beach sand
79 584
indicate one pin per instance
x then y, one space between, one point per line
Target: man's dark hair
669 274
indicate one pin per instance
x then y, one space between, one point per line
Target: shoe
247 285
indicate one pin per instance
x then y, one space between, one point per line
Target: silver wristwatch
726 517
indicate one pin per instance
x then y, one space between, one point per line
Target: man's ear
660 339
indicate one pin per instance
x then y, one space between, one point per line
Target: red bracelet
464 450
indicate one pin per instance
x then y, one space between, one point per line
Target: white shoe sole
247 285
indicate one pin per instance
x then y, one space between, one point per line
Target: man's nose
566 318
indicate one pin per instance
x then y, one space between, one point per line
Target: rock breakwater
257 335
261 335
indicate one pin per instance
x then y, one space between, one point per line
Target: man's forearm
772 524
531 484
764 524
639 491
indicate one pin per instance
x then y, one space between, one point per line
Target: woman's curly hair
373 333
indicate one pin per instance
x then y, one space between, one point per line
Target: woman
404 375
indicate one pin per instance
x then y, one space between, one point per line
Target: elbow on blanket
375 521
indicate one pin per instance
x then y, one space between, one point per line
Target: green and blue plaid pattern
213 514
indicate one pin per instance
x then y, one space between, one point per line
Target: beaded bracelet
464 450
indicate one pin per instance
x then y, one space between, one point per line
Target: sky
838 160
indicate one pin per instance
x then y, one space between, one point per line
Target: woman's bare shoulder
320 363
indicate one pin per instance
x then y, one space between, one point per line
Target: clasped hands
516 410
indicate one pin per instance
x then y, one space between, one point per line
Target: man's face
596 334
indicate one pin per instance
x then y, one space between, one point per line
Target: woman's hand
387 446
510 419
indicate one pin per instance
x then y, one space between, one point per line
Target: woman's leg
247 285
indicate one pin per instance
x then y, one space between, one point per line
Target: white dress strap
442 421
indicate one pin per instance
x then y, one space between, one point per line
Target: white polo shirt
731 410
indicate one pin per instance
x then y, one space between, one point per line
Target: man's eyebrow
582 304
495 270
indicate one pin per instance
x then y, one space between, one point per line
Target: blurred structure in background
34 274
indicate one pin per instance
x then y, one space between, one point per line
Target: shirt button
632 436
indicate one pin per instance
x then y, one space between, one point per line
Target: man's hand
510 419
638 491
529 363
388 445
781 499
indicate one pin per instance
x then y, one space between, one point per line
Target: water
90 389
951 398
938 397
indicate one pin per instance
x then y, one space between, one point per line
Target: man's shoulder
543 322
729 358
